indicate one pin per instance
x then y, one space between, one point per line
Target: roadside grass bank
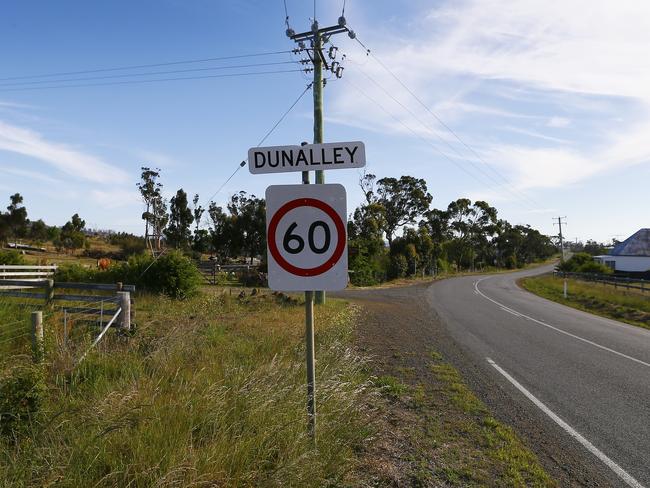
449 438
432 429
629 306
209 391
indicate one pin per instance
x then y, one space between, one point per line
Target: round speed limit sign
306 237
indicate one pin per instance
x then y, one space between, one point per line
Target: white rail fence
25 273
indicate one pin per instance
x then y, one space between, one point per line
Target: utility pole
317 38
559 223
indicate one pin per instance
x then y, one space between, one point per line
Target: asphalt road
582 380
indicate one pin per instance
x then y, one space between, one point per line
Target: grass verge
448 436
208 392
627 306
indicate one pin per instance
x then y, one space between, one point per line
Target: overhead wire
150 73
286 14
153 65
440 138
264 138
414 132
137 82
522 195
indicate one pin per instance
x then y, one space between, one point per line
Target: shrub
11 257
75 273
172 274
398 267
583 262
594 267
22 388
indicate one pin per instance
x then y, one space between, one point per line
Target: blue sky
552 97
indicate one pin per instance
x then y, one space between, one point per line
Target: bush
172 274
74 273
594 267
22 388
583 262
398 267
11 257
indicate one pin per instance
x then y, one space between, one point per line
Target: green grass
451 437
207 392
632 307
480 451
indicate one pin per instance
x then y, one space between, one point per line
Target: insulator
339 72
332 52
334 66
314 26
342 21
352 35
301 45
290 32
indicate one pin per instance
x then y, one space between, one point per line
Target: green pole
318 119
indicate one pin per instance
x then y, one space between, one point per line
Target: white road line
595 344
620 472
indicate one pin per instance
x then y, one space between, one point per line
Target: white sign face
306 234
283 159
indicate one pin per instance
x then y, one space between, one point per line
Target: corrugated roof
636 245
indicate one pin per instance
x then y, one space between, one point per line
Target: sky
540 107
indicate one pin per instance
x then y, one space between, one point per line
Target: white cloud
35 175
64 158
559 122
478 61
115 197
156 159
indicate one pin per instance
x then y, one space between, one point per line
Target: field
206 392
629 306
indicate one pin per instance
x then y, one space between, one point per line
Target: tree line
15 224
394 233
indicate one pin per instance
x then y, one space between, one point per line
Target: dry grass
207 392
630 306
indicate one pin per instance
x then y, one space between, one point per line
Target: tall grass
208 392
630 306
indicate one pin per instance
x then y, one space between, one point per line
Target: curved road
587 377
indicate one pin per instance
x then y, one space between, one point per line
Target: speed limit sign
306 235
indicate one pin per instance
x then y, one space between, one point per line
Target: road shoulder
437 432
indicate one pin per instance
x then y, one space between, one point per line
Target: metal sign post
307 249
306 230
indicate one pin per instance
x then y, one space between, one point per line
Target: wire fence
615 281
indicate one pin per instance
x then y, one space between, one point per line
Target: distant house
632 256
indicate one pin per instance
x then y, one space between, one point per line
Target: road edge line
620 472
595 344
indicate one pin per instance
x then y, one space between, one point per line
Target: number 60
300 242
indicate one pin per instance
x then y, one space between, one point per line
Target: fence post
49 292
125 305
37 336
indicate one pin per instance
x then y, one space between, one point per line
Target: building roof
636 245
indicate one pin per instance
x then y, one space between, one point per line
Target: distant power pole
317 38
559 223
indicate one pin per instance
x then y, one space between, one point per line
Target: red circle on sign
273 247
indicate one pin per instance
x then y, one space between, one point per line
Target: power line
414 132
136 66
136 82
150 73
474 165
286 14
441 122
268 133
